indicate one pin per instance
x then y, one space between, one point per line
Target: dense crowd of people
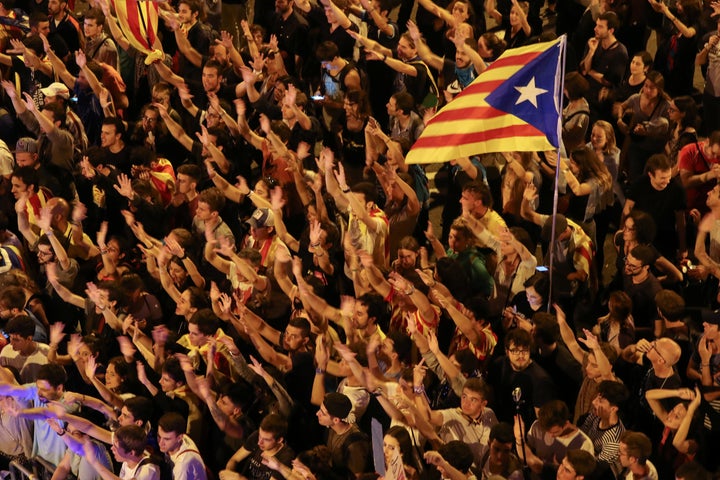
216 263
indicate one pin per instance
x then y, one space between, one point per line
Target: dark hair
582 461
645 57
326 51
519 338
132 438
479 386
404 102
12 297
301 323
644 226
638 445
367 189
458 454
658 80
117 123
685 104
206 321
52 373
360 98
613 22
400 433
95 14
212 63
576 85
670 304
21 325
274 424
173 422
480 190
37 17
547 329
195 6
554 413
141 408
239 393
376 306
469 363
191 170
644 253
213 197
502 432
402 344
172 368
692 471
615 393
540 281
494 43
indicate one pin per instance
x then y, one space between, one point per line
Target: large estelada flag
138 21
512 106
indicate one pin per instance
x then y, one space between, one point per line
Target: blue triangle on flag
529 94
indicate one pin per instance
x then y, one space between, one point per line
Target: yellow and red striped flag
138 21
512 106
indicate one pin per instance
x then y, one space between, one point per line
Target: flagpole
558 96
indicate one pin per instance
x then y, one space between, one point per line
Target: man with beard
642 286
49 387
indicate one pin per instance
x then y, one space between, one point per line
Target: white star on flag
529 93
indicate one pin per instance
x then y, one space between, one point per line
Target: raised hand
124 186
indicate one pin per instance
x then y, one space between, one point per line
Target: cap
711 316
337 405
561 225
26 145
262 217
56 89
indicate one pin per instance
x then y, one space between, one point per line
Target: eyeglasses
653 345
519 351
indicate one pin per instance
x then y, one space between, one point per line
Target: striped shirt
606 441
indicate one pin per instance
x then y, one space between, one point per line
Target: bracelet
103 251
411 291
62 432
319 371
419 390
345 190
49 233
384 58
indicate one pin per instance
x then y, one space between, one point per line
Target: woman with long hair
617 327
683 114
397 442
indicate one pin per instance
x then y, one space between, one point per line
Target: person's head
490 46
93 22
639 227
460 236
683 111
659 168
476 197
234 398
638 261
262 224
369 309
407 253
670 305
56 92
500 443
515 13
692 471
474 398
635 447
111 132
576 465
356 104
12 302
283 7
171 428
272 431
406 48
664 352
537 288
689 11
21 330
39 23
620 305
210 202
590 364
397 441
461 10
606 25
458 454
56 7
334 410
129 442
188 177
654 86
117 373
50 382
609 399
297 334
327 52
24 181
366 193
585 164
518 343
136 411
26 152
546 330
400 104
190 11
192 298
201 326
641 63
397 346
172 376
56 113
161 93
212 76
576 87
553 417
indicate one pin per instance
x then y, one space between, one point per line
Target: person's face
675 115
518 356
108 136
660 179
625 459
591 367
84 352
514 16
113 251
598 138
45 254
119 452
555 431
472 403
601 29
267 441
405 50
406 258
197 339
287 112
391 448
228 407
46 392
566 471
460 12
462 59
167 384
91 27
629 233
260 234
392 107
457 241
293 338
20 343
279 92
184 183
283 6
324 418
499 453
43 28
633 266
203 211
220 54
183 307
675 416
533 297
150 120
637 66
469 202
601 407
112 379
330 15
650 90
360 315
713 197
185 14
126 418
19 187
350 108
55 7
710 330
211 79
483 49
168 442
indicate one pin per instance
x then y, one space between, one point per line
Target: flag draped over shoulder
138 21
512 106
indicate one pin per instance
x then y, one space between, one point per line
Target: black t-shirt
254 469
120 160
